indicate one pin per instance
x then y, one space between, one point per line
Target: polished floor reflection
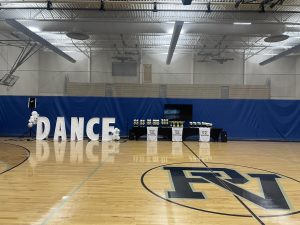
140 182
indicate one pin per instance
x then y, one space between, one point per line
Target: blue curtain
242 119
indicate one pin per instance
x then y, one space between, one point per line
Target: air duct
176 32
20 27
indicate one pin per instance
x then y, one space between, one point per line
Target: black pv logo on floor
274 198
183 176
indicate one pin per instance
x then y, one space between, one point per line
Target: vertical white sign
204 134
177 133
152 133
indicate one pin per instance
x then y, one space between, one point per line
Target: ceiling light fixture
276 38
77 36
242 23
34 29
292 25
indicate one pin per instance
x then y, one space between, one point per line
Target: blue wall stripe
243 119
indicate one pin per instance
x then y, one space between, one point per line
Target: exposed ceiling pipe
118 2
232 29
155 27
294 49
38 39
176 32
151 10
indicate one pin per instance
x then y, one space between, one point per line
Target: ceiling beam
294 49
176 32
20 27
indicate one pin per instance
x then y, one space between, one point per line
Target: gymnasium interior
140 112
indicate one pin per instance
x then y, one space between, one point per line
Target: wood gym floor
149 183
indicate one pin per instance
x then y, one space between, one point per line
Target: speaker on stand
223 136
32 107
31 103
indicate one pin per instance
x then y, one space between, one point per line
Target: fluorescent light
34 29
242 23
292 25
170 31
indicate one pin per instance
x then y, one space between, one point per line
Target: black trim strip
18 163
259 169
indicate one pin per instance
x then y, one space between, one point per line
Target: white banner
152 133
177 133
204 134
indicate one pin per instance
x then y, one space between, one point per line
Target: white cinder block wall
228 73
298 77
180 71
46 72
282 74
54 70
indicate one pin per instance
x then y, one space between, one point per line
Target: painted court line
63 201
242 203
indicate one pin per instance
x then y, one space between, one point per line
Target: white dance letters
77 129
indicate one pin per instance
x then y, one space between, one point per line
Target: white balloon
30 124
31 120
31 117
34 113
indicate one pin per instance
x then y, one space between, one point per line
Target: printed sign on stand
177 133
152 133
204 134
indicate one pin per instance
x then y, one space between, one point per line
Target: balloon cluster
33 119
116 134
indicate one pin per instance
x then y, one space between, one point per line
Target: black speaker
186 2
31 103
223 136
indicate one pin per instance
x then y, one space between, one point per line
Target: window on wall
124 68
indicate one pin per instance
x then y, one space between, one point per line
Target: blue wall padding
242 119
